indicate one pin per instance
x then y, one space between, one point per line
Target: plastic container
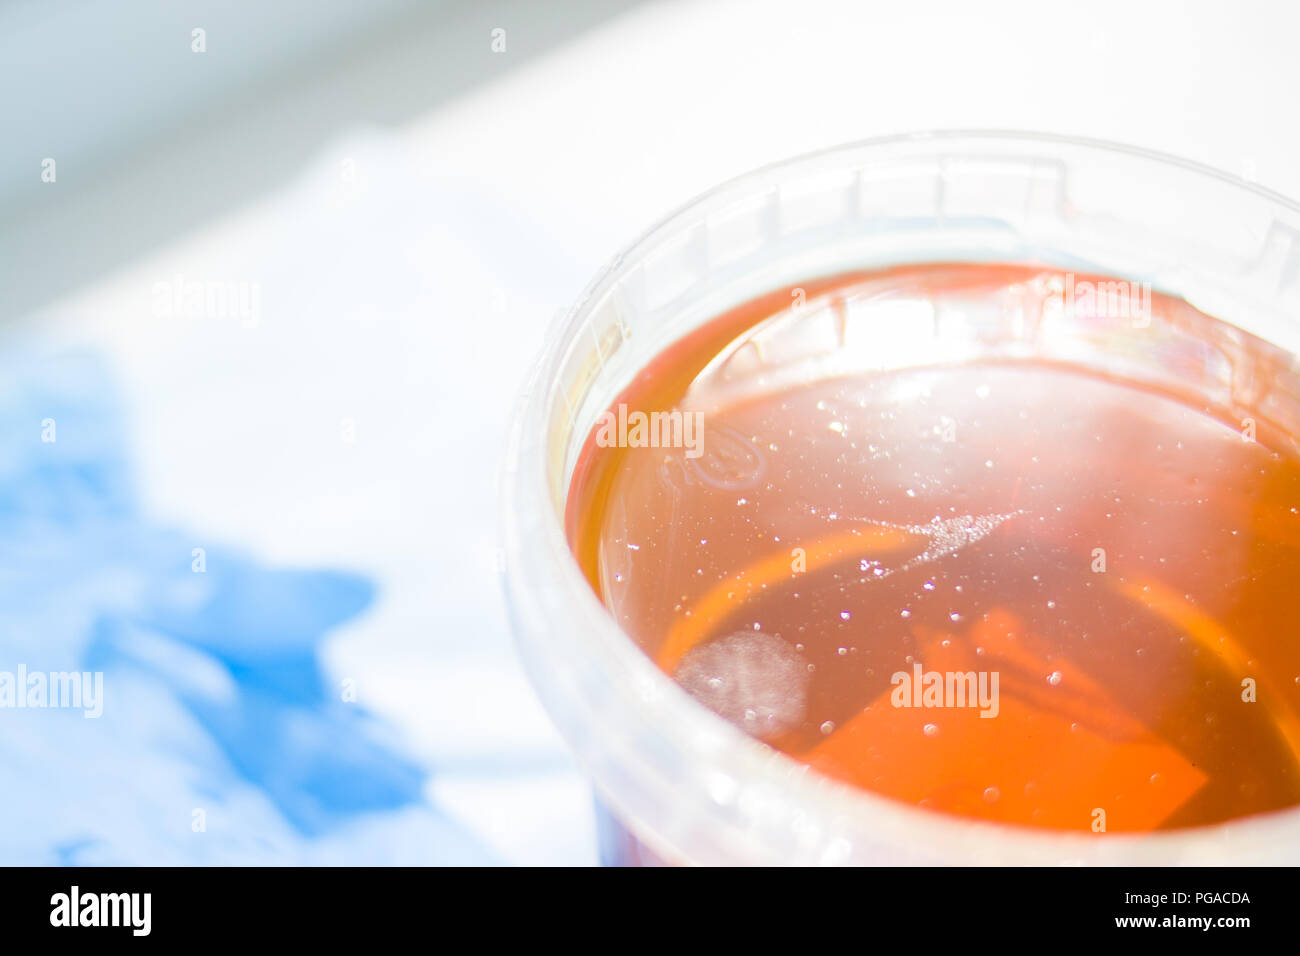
684 786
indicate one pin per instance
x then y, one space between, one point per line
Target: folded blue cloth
219 740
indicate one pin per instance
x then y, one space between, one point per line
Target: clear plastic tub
684 786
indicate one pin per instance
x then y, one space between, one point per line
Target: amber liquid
974 470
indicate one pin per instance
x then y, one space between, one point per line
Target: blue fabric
216 708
